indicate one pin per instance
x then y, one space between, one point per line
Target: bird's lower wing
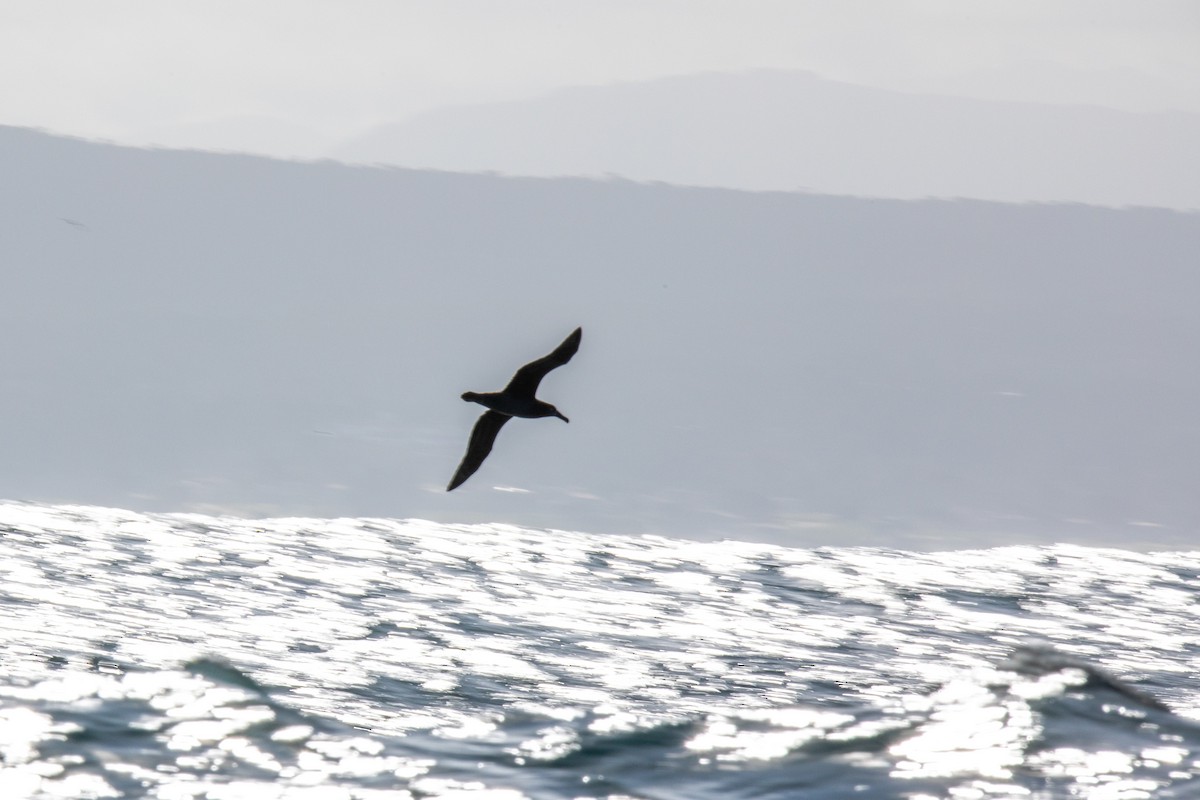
483 435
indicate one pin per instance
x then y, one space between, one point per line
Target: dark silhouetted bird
517 400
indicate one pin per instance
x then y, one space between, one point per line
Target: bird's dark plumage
528 377
483 436
518 399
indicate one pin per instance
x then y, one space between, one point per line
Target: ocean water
184 656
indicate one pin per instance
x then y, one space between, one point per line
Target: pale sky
300 75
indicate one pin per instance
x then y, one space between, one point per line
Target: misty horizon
232 333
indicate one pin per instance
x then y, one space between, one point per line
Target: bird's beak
560 416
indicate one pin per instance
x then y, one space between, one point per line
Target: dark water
182 657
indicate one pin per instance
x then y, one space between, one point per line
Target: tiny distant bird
517 400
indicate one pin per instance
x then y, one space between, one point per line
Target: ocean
181 656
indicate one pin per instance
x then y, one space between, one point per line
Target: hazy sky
303 74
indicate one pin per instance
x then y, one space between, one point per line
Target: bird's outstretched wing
483 435
529 376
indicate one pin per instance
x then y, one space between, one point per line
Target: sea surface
183 656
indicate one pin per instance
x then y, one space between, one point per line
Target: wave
154 655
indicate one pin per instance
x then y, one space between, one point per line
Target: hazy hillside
187 330
793 130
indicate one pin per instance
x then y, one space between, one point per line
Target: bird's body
518 399
513 405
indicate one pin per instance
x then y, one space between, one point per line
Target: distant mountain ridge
218 333
781 130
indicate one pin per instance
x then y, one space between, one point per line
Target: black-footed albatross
516 400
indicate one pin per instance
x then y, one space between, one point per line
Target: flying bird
516 400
